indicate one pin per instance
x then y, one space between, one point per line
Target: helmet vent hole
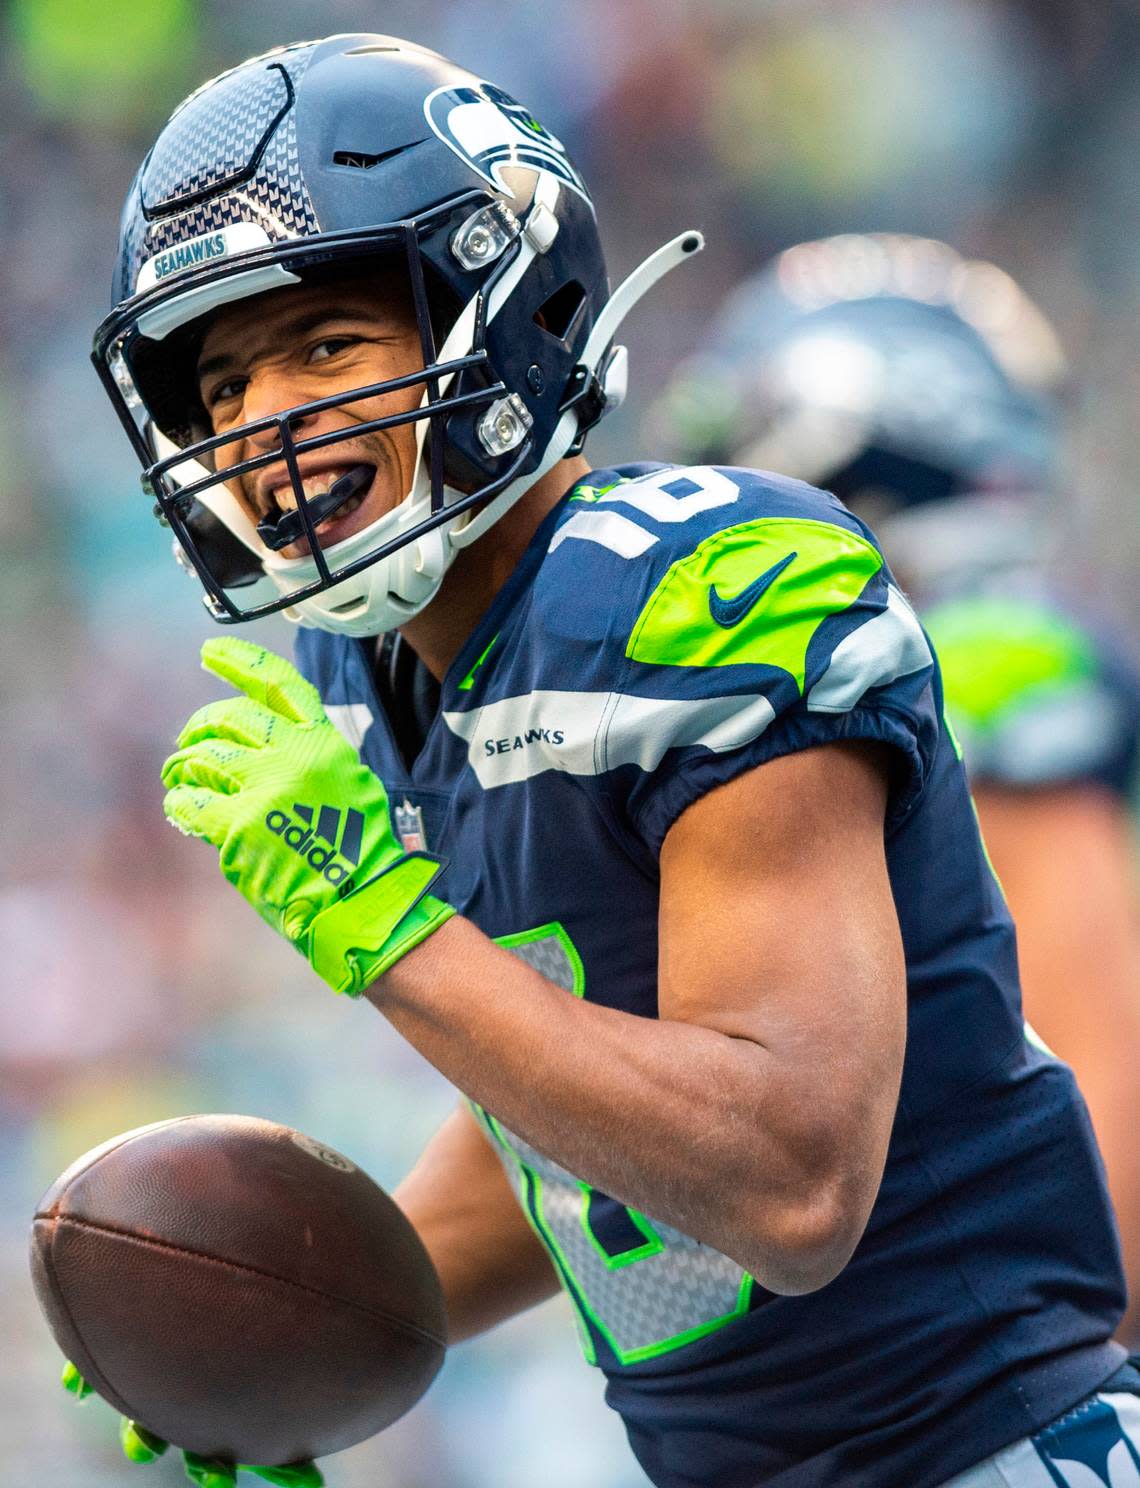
559 313
357 159
367 51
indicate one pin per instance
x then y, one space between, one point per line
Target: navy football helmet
337 156
917 385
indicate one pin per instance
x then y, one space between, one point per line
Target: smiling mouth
329 494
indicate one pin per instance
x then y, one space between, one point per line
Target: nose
267 395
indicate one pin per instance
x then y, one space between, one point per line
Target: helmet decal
489 129
239 238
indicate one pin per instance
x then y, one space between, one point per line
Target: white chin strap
392 590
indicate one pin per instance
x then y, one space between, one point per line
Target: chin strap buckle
593 394
587 397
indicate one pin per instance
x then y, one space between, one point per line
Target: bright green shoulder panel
754 593
996 652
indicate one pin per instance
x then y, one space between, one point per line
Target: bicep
778 926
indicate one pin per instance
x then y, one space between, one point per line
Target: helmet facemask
191 471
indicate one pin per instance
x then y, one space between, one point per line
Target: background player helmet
917 385
336 156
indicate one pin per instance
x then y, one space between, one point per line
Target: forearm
704 1131
491 1264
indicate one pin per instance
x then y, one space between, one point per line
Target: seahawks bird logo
490 130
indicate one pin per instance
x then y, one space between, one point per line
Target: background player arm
755 1113
1066 859
490 1262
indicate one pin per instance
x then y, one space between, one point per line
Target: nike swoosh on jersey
730 612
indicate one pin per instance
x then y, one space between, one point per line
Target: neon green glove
301 825
141 1445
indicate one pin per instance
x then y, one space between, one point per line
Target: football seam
109 1391
201 1255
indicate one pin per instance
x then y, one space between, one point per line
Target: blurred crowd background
135 985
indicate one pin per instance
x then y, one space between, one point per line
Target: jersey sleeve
772 633
1037 700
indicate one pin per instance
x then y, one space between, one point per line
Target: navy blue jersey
666 630
1038 699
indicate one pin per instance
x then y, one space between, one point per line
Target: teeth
285 500
320 485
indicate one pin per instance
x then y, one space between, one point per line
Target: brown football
238 1288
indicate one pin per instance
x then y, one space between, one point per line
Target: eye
330 346
224 391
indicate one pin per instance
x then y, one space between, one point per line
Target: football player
624 794
925 390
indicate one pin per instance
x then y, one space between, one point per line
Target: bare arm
754 1114
1066 859
490 1262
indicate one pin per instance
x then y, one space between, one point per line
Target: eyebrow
300 325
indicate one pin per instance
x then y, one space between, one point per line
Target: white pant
1095 1445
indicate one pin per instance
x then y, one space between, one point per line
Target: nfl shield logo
410 827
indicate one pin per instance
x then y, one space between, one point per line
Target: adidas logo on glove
302 836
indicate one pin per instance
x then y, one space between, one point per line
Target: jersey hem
932 1452
696 777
